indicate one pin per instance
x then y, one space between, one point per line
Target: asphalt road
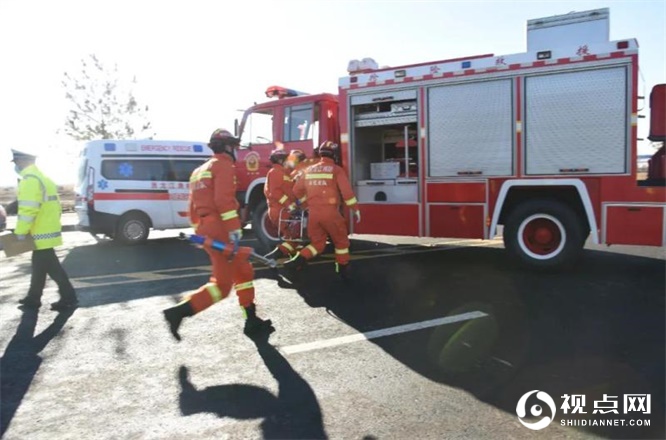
341 363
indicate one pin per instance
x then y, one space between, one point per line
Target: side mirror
236 127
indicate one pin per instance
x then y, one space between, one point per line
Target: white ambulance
126 187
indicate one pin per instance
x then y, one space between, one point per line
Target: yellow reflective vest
39 209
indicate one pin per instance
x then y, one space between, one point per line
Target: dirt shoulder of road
66 192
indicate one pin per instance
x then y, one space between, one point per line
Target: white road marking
326 343
502 361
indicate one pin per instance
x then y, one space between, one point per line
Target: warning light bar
282 92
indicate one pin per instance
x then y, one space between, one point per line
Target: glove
235 236
357 215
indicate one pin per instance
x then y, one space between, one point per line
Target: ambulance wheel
263 228
544 234
133 228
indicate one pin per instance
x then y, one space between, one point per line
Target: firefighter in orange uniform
296 163
279 196
321 186
214 214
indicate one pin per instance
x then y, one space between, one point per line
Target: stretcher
296 223
221 247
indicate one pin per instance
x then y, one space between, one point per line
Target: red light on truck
282 92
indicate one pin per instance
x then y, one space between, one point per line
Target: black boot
255 325
65 304
30 302
293 267
344 270
275 254
175 315
295 264
68 301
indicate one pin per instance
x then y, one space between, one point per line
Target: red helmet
224 137
279 155
327 149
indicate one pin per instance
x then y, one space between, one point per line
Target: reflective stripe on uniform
29 203
303 199
229 215
287 246
319 176
46 236
26 218
351 201
342 251
201 175
312 249
215 292
45 198
286 178
283 199
41 184
244 286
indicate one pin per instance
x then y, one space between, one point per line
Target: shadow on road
598 329
21 361
112 265
294 413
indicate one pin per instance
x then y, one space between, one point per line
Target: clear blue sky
196 62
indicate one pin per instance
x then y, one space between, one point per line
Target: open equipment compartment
385 154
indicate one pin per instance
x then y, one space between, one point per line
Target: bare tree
101 106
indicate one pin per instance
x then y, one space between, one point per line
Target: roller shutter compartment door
576 122
470 129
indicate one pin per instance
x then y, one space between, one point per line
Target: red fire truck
541 143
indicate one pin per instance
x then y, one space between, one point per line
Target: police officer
39 213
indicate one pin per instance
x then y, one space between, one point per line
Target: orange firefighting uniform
321 187
299 170
213 214
279 195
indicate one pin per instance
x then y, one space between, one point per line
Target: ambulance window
258 128
181 170
127 169
298 123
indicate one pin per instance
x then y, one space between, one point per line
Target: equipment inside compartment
386 144
386 163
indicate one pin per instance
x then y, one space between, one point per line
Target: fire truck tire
264 230
133 228
544 234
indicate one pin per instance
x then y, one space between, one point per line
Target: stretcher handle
220 246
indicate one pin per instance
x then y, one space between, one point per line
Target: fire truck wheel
543 234
133 228
263 228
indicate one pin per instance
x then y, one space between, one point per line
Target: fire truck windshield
258 128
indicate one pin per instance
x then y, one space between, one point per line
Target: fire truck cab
541 143
295 120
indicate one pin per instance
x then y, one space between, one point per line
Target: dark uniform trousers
45 262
